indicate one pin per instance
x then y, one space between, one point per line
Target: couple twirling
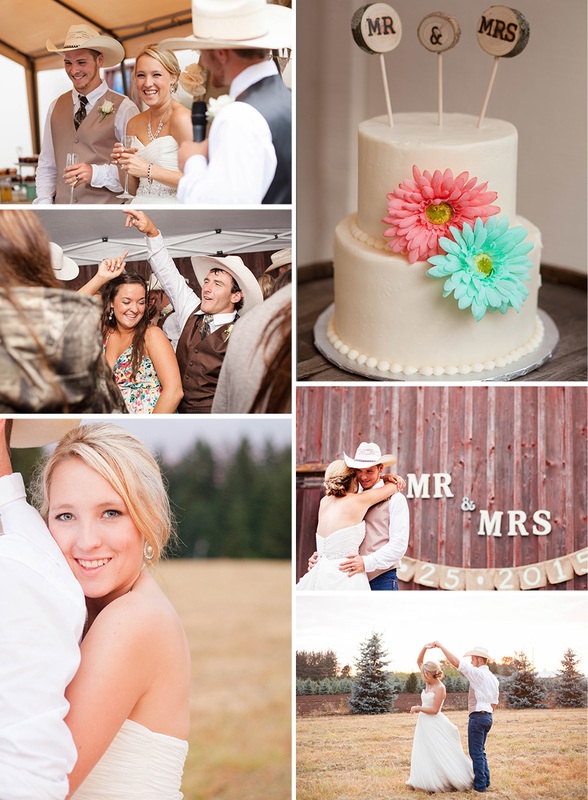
438 763
363 526
106 718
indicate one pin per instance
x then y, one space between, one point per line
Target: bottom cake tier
391 316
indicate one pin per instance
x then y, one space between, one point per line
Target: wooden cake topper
377 29
439 32
502 32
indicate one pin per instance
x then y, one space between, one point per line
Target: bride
438 762
341 529
102 496
158 131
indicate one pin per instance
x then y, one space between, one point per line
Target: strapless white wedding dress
163 152
138 765
438 762
332 550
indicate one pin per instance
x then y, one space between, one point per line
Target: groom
41 621
482 700
386 524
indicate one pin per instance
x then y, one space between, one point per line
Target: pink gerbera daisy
420 212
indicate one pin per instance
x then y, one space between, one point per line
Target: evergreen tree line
232 505
374 689
314 666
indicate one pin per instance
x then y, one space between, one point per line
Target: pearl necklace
152 137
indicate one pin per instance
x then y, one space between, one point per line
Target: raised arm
421 657
370 497
453 659
107 270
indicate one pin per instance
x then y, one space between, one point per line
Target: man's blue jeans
386 582
478 726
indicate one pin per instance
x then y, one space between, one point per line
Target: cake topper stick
377 29
503 32
437 33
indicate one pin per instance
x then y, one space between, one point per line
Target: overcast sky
542 624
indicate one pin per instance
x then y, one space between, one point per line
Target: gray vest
274 102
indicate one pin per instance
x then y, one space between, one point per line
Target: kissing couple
363 526
438 763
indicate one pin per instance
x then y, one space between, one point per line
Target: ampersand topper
438 32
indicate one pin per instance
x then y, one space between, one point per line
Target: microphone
199 120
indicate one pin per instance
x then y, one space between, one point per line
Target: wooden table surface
565 304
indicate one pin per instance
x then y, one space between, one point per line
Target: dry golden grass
237 615
532 754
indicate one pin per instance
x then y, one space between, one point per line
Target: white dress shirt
184 301
242 159
103 175
484 684
389 556
42 614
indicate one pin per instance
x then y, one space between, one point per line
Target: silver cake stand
524 365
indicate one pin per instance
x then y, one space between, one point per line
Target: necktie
205 329
81 112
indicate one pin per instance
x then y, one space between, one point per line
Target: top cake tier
387 157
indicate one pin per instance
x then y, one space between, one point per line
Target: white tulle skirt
438 762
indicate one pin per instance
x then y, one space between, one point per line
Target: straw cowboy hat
252 294
478 651
368 454
39 432
280 258
85 37
64 267
236 24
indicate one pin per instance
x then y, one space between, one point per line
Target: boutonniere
215 104
228 332
105 109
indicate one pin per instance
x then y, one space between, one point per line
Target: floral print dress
142 394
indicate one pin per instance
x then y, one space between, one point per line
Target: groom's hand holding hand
352 565
77 174
398 480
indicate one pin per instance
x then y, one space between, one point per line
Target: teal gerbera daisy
485 266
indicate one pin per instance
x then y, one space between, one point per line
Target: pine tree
412 683
523 689
372 692
571 689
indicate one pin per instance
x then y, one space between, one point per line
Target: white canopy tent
89 237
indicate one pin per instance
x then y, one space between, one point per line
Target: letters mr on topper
380 26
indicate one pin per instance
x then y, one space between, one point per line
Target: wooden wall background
506 447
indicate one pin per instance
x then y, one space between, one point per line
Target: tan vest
93 142
377 533
472 702
200 362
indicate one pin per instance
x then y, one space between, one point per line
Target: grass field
238 621
532 754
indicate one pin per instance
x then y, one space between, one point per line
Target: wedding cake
436 274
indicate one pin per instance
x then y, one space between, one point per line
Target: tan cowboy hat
236 24
280 258
478 651
252 294
64 267
368 454
87 38
39 432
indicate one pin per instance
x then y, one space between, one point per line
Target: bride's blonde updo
433 669
338 477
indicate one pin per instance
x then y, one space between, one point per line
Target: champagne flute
128 148
71 159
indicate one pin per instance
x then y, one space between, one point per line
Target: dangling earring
148 552
111 315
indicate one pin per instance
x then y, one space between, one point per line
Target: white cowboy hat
368 454
39 432
280 258
478 651
64 267
85 37
236 24
252 294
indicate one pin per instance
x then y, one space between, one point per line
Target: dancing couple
96 141
363 526
108 718
438 763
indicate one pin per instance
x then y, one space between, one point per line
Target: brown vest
377 533
200 362
93 142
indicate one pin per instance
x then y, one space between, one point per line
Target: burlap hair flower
421 211
193 80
